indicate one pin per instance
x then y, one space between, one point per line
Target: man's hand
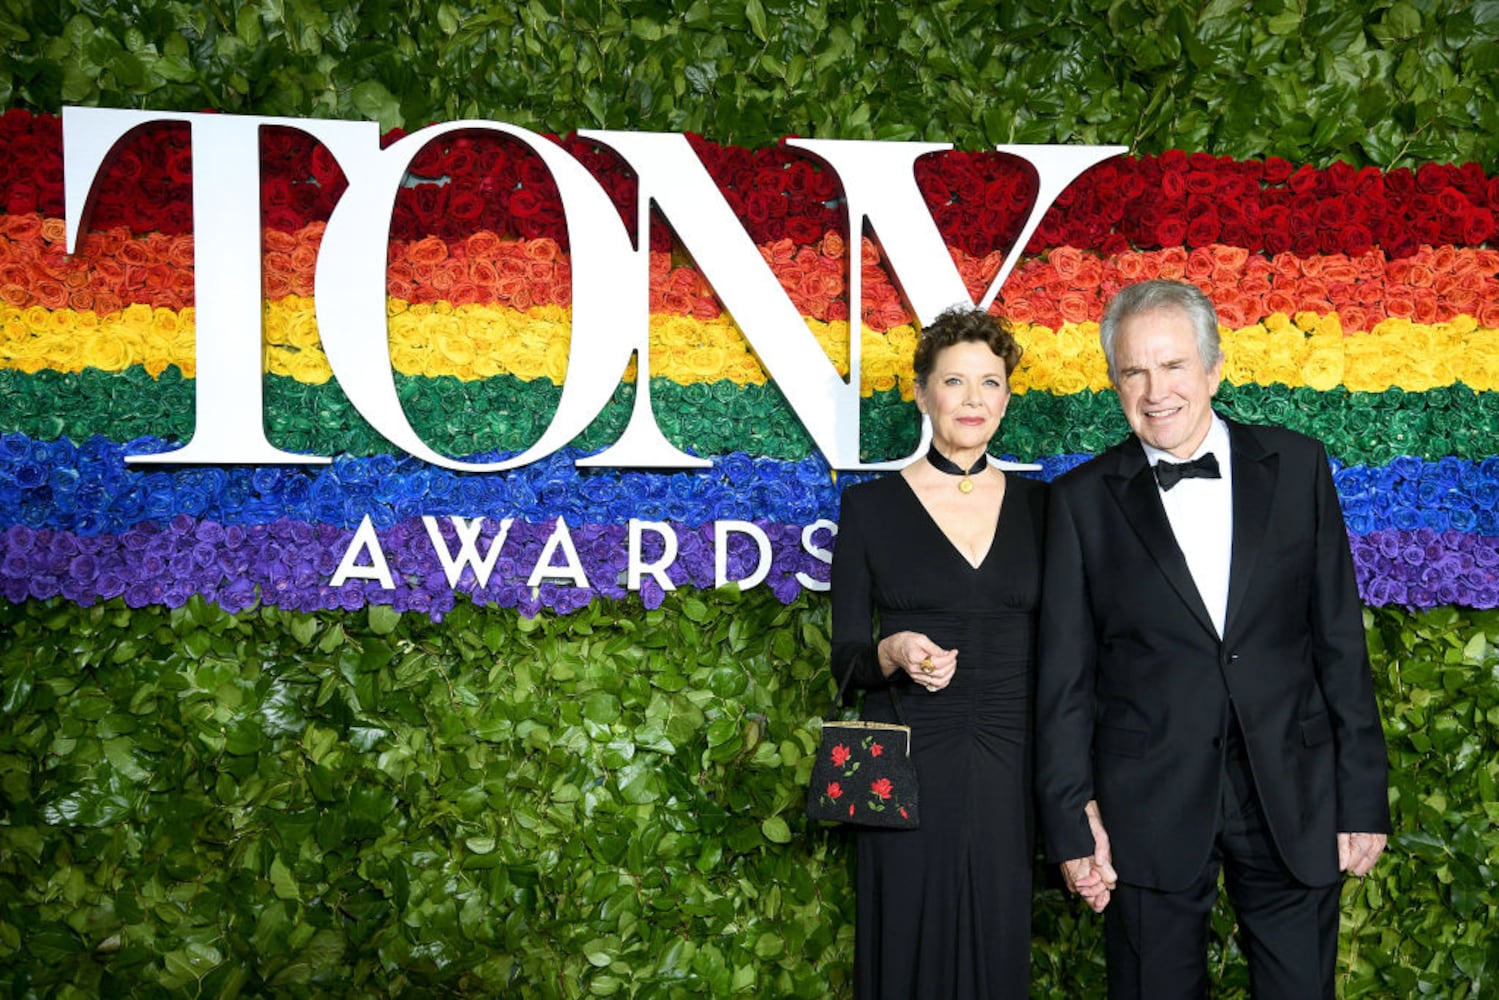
1357 852
1093 877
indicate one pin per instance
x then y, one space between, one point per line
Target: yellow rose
111 354
1243 361
1323 369
1072 341
1068 381
310 367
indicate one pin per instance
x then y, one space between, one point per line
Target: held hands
1357 852
1093 877
929 664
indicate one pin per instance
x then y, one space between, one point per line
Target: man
1204 700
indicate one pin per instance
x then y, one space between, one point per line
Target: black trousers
1288 931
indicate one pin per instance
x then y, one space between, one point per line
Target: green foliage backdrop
603 804
609 803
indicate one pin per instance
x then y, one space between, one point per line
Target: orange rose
429 250
660 265
303 258
278 241
1255 285
1131 266
1426 306
1400 301
180 250
22 228
1231 258
1065 261
49 293
463 293
275 284
543 249
1339 269
134 252
14 295
53 229
1277 301
1076 307
832 245
1354 319
1420 276
482 271
483 244
1172 263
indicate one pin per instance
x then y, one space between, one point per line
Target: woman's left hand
927 663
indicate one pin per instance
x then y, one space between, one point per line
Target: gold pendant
966 486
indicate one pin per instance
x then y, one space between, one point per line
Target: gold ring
926 665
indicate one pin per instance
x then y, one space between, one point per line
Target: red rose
882 788
1432 177
850 808
465 206
876 750
1207 182
840 755
1170 232
1478 225
835 790
1203 230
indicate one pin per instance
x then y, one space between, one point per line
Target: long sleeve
1343 672
853 595
1064 690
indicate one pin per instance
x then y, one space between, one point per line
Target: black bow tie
1168 474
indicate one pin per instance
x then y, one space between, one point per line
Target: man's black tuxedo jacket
1135 687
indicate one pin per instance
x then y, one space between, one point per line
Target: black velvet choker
944 464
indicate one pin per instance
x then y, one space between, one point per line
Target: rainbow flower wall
1360 306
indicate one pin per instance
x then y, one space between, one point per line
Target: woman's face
965 395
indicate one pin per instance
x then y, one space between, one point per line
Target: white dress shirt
1201 512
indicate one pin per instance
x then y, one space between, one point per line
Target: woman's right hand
929 664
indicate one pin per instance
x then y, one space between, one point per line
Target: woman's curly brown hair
961 325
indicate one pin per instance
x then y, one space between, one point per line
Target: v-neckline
999 516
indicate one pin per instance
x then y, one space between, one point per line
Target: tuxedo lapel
1255 473
1134 487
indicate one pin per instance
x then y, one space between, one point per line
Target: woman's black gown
945 910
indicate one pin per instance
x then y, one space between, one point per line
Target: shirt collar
1216 442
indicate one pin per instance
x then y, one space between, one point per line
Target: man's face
1164 390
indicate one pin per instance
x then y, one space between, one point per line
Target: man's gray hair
1149 296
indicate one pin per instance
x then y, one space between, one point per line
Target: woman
945 558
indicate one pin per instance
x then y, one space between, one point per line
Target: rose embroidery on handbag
856 780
